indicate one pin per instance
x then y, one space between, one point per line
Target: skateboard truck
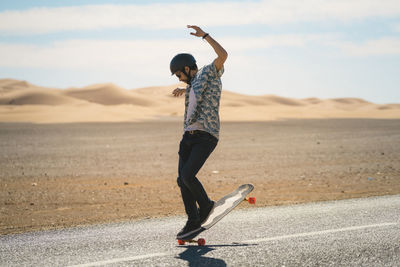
201 241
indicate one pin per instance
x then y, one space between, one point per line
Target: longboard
221 208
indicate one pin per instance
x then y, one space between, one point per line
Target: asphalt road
358 232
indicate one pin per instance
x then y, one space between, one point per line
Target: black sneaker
204 213
190 228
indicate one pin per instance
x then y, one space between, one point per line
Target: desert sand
21 101
102 153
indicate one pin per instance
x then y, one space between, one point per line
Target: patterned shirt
207 87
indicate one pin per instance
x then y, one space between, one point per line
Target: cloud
153 56
379 47
82 54
170 16
276 40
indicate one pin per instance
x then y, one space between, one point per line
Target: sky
300 49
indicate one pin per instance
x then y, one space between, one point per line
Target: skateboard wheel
252 200
201 241
181 242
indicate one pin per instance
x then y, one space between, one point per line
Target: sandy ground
21 101
61 175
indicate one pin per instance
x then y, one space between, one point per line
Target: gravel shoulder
62 175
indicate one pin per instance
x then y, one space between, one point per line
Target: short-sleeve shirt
207 87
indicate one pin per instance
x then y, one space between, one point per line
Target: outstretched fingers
199 32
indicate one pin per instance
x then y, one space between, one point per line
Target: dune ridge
21 101
108 94
10 84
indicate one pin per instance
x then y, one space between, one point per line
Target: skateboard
221 208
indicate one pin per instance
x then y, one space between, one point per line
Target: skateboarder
201 127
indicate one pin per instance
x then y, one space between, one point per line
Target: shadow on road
194 255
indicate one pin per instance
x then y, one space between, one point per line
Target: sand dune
11 85
37 97
238 100
21 101
312 100
109 94
350 101
389 106
285 101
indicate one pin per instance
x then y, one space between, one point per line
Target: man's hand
178 92
221 53
199 32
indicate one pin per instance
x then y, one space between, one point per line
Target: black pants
194 149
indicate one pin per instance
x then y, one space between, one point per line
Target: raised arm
219 50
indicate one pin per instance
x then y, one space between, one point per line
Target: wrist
205 35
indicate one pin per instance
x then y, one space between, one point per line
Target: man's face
181 76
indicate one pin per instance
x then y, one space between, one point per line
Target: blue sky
325 49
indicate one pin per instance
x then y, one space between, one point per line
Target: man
201 126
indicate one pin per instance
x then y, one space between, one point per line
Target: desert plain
101 153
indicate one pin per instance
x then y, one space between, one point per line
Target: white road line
346 229
153 255
140 257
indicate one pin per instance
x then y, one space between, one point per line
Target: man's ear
187 70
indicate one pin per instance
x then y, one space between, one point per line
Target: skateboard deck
221 208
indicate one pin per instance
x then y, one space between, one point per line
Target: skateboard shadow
195 255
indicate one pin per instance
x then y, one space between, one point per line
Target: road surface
358 232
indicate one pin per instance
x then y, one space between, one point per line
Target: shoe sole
186 235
